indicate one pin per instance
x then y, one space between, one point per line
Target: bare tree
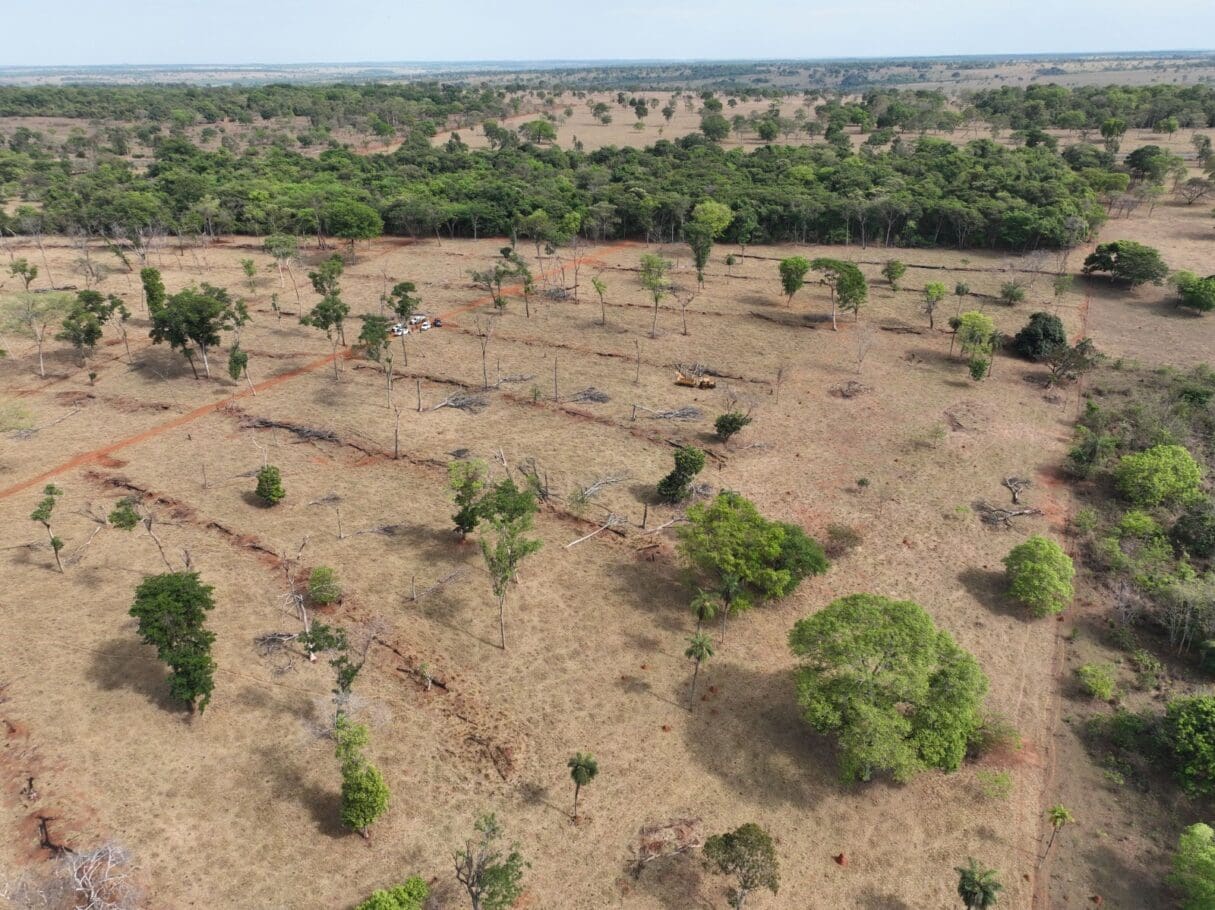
484 332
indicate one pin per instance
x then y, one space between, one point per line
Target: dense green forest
922 193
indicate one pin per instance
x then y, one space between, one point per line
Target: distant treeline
928 192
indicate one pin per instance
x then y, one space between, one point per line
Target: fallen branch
442 582
469 403
613 521
1001 518
305 433
1016 486
30 431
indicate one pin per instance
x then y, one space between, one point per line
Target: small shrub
1097 681
841 540
1085 521
409 895
270 485
323 587
996 733
1161 474
676 486
1194 532
1040 575
1148 669
862 483
730 423
994 785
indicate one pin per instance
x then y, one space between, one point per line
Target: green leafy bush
730 423
676 486
994 785
1040 575
1194 867
323 587
409 895
1159 475
270 485
1098 681
1041 333
841 540
1189 730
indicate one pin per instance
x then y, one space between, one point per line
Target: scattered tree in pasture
1112 131
892 271
846 283
974 334
600 287
21 268
743 557
33 315
747 853
1012 292
124 515
490 280
1059 816
1062 285
153 286
677 486
583 770
364 793
42 514
238 364
1194 867
699 649
1128 262
709 221
714 126
1040 575
249 268
329 315
793 275
491 875
323 586
654 279
194 318
283 249
1068 362
1195 189
270 485
172 609
82 330
510 513
1040 334
934 293
326 278
978 886
1159 475
898 693
466 479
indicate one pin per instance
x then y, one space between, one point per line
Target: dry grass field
238 807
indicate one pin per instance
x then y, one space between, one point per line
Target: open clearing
231 809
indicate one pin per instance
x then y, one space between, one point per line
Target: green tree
329 315
510 513
600 287
892 271
42 514
978 886
677 486
934 293
1012 293
1112 131
846 283
21 268
793 275
351 220
1041 333
466 479
1059 816
726 425
409 895
538 131
699 649
1194 867
153 289
238 363
323 586
1161 474
749 855
270 485
283 249
899 694
402 300
974 333
194 318
172 610
1127 261
742 557
583 770
33 315
709 221
654 279
1040 575
82 330
364 793
249 267
1189 730
492 876
714 126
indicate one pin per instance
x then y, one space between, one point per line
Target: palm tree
705 605
1059 816
977 886
700 649
583 769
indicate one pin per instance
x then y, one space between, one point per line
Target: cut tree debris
1001 518
470 403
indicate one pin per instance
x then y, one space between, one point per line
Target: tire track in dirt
105 451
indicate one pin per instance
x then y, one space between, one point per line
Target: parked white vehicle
416 318
398 330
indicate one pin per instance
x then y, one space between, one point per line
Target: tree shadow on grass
987 587
656 588
757 742
289 783
125 663
675 882
872 899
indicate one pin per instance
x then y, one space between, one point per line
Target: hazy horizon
166 33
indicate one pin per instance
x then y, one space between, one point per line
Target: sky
95 32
